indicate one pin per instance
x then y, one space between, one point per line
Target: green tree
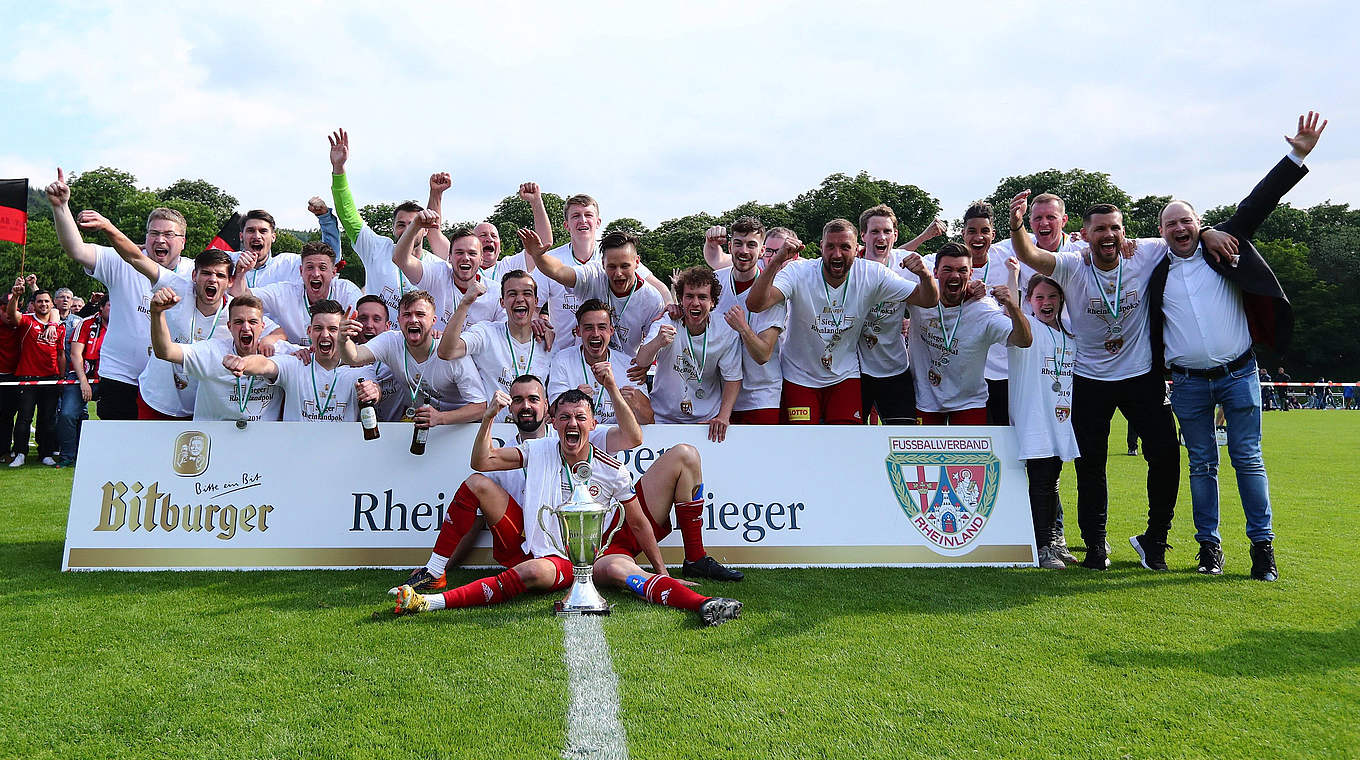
1080 189
1144 216
378 217
202 192
676 244
514 213
843 197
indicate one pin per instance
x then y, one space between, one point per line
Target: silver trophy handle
609 535
547 534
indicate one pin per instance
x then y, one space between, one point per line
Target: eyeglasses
154 235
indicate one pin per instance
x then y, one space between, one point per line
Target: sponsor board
302 495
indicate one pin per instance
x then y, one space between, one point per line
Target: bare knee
536 574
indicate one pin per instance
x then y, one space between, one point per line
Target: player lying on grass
546 464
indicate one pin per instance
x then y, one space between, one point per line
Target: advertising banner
207 495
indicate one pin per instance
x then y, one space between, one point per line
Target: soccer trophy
582 522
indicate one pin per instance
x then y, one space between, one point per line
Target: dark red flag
229 237
14 210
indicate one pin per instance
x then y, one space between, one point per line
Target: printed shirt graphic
716 351
957 384
1040 416
220 392
761 384
1103 354
312 393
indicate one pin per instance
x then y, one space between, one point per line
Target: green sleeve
345 209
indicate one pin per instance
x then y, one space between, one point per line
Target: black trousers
1143 400
117 400
894 396
9 406
1044 503
998 402
43 399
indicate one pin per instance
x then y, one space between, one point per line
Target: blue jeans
1193 399
71 411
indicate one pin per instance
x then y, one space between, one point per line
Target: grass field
876 663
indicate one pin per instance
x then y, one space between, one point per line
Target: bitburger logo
189 458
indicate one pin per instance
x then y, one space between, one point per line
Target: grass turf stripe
593 727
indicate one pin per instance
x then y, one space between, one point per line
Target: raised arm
451 343
345 208
352 353
59 195
1020 334
627 433
404 255
254 364
127 250
665 335
552 266
935 229
16 297
760 345
330 227
439 182
533 195
715 250
927 292
1029 254
763 293
162 344
485 458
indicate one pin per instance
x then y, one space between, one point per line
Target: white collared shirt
1205 325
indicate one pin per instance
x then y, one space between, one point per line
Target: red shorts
976 416
507 537
624 542
564 575
837 404
756 417
146 412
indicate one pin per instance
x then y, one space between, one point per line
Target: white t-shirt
882 349
1041 416
500 358
220 393
512 481
443 385
993 273
165 386
313 393
505 266
382 278
632 315
1102 353
437 280
823 320
950 380
546 483
693 368
286 303
281 267
762 385
128 338
563 302
395 397
569 370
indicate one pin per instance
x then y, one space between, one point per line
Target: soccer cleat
710 568
719 610
1060 550
1263 562
1048 558
1151 554
409 602
421 579
1097 559
17 461
1210 558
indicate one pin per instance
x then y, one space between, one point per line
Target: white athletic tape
593 727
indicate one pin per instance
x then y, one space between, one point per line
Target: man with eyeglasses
127 341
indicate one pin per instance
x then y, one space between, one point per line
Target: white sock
436 601
436 564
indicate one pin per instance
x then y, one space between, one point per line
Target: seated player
436 392
633 305
698 375
505 349
221 393
322 390
949 342
539 567
290 302
447 281
571 368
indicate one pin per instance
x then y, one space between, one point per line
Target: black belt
1213 373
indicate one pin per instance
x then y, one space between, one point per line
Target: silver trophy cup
582 522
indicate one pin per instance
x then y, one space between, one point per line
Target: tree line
1315 252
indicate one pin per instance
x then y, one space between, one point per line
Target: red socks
662 589
491 590
458 520
688 518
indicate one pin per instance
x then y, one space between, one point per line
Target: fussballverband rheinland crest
946 486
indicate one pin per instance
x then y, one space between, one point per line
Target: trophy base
561 609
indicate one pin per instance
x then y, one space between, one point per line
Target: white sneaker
49 461
18 461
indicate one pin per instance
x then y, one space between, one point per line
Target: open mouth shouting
595 345
1107 247
247 341
412 333
325 346
572 437
210 291
520 310
953 287
316 286
160 251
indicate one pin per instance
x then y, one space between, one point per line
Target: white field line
593 727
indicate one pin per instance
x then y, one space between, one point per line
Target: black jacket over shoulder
1270 318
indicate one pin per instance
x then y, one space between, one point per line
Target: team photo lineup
580 347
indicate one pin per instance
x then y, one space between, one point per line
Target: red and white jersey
547 484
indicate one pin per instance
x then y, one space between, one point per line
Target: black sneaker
1151 554
1263 562
710 568
718 610
1210 558
1097 558
422 580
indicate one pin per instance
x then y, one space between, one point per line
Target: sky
665 109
